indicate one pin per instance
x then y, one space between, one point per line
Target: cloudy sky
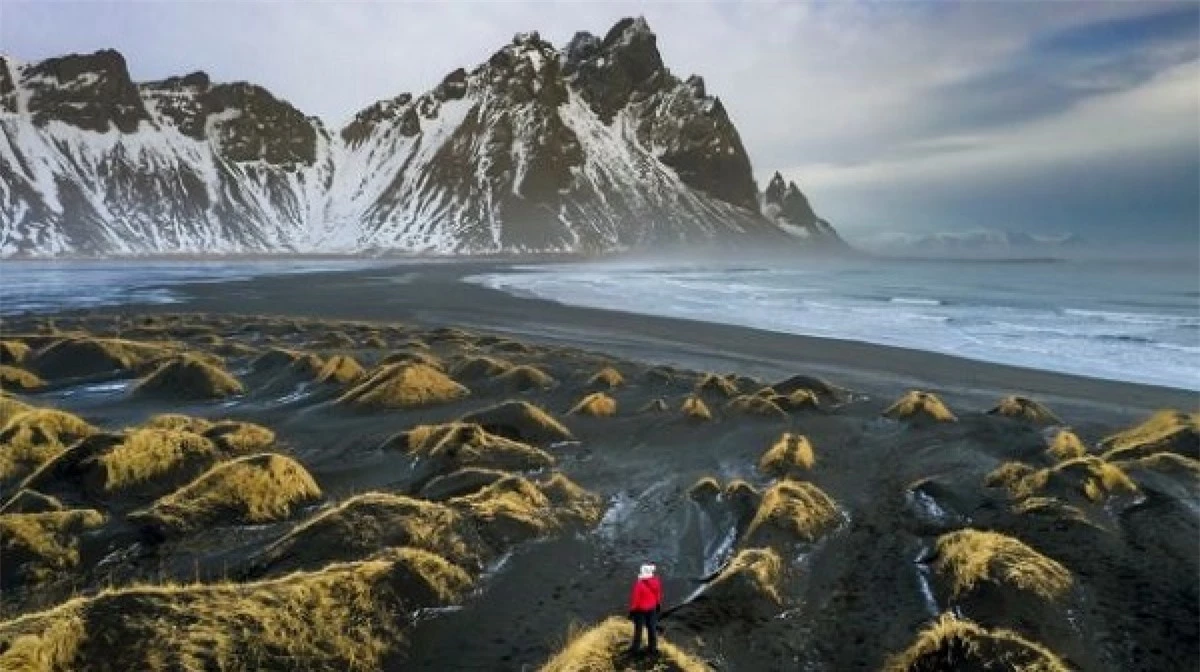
1036 116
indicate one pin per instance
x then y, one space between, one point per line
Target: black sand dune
293 480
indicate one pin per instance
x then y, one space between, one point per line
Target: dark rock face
92 92
784 203
594 148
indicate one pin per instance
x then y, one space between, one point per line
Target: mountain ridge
596 147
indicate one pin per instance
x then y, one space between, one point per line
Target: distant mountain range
595 147
983 242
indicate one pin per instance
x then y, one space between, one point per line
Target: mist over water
1131 320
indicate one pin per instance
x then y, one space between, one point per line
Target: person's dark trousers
649 621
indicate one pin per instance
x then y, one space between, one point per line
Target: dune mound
694 408
1008 475
18 379
607 378
153 462
1165 431
661 375
743 497
13 352
1028 410
919 407
1090 476
365 523
953 644
340 369
717 385
31 501
37 546
1165 463
526 377
706 489
479 368
307 366
514 509
1050 507
791 453
459 483
1066 446
11 407
756 406
88 356
570 499
799 400
747 589
455 445
179 422
596 404
189 377
275 359
344 617
415 357
240 438
404 386
249 490
519 421
967 558
32 438
791 511
656 405
334 340
602 649
818 387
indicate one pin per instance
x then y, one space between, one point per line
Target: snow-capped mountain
594 147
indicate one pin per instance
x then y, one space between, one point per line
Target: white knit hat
646 571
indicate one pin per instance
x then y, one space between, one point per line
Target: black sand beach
812 522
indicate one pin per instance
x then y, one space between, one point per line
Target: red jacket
647 594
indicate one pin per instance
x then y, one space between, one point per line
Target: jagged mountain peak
593 147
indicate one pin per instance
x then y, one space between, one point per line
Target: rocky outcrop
787 206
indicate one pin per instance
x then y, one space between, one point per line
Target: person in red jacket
644 605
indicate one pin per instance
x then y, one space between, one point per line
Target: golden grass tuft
791 453
596 404
1050 507
404 386
970 557
606 378
34 437
753 575
255 489
178 422
31 501
477 368
157 460
798 400
1066 446
365 523
519 421
13 352
307 365
514 509
1008 475
694 408
342 618
240 438
87 356
917 406
1091 476
1167 463
189 377
38 545
16 378
792 510
571 499
1165 431
341 369
526 377
750 404
953 644
818 387
11 407
705 489
1022 408
456 445
375 342
414 357
725 386
601 649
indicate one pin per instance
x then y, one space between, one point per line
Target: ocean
46 286
1136 321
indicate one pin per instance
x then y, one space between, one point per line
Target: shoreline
402 291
